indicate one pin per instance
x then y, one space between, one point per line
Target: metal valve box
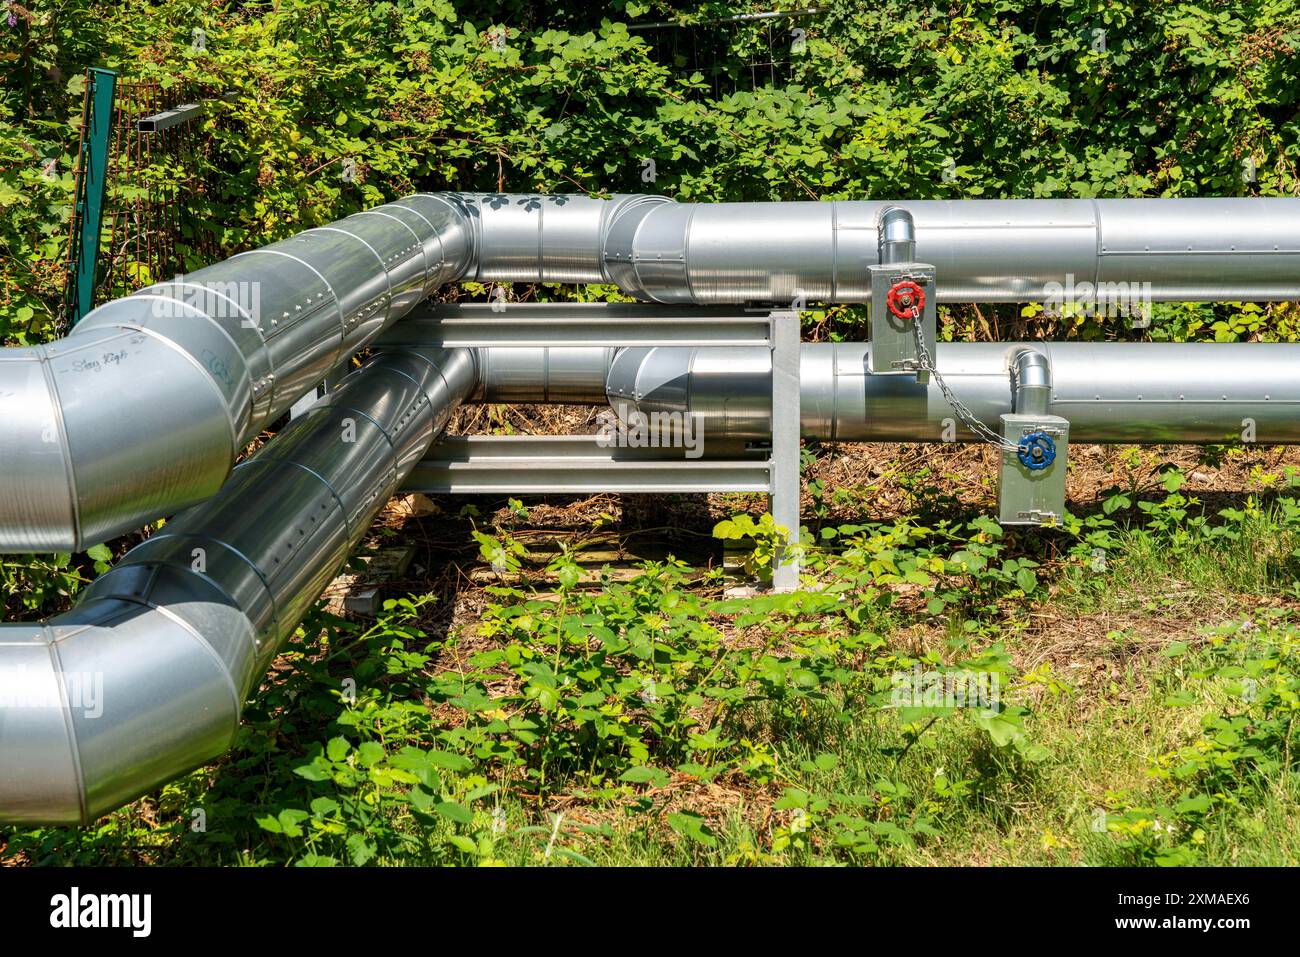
893 338
1033 496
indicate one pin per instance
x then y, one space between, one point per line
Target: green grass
649 723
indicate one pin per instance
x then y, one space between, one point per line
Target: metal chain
967 417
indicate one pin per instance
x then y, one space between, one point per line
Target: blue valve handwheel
1036 451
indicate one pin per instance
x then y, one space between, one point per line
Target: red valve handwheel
905 288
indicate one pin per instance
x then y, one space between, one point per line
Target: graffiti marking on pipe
97 365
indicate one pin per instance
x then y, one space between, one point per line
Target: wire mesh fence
149 231
734 54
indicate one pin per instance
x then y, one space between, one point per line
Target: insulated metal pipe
1116 252
147 676
1082 250
560 374
1185 393
1193 393
141 410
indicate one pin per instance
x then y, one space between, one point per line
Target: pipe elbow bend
109 429
107 703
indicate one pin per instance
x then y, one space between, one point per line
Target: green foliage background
888 99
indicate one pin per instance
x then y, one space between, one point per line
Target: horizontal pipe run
147 676
560 375
1166 393
1116 253
1119 253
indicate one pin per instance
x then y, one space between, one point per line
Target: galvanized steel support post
786 486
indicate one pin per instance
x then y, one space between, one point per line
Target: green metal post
95 134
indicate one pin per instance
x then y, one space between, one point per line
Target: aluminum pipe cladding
571 375
1031 382
896 236
146 677
1166 393
721 395
541 238
141 410
1114 253
1194 393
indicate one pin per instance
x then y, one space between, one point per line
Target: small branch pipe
1031 383
896 236
146 677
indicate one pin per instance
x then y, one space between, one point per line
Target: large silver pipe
1194 393
571 375
147 676
1080 250
141 410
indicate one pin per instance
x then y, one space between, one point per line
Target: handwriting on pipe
98 365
